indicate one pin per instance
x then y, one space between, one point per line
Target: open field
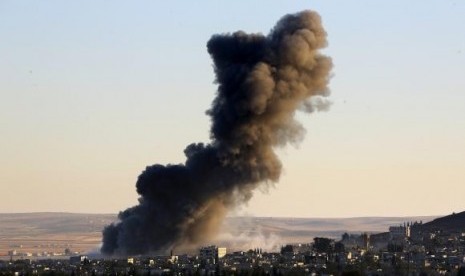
48 233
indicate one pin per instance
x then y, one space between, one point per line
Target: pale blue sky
93 91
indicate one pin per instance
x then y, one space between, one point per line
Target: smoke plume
262 81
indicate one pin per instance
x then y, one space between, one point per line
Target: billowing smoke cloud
262 82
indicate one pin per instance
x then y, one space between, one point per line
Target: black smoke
262 81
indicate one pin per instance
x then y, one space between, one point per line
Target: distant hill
45 233
54 232
454 222
37 224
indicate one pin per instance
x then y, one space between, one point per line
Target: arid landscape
50 234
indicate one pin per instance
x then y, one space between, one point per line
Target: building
211 254
75 260
399 232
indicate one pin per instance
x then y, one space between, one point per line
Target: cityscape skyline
432 248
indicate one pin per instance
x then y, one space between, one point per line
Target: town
412 248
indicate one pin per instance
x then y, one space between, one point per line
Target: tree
287 249
394 247
339 247
322 245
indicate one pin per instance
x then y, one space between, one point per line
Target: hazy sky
94 91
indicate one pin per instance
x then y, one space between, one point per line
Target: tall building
399 232
212 253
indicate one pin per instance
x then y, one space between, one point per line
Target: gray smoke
262 81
